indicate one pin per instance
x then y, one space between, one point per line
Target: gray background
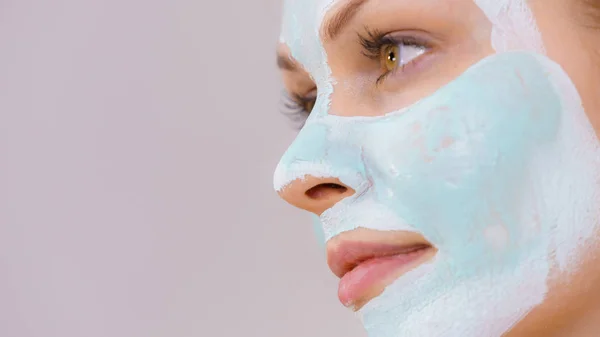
137 145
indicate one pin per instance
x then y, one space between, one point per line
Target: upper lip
348 250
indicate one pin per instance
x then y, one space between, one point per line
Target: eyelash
292 106
374 41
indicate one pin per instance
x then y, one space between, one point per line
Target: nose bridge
347 99
319 158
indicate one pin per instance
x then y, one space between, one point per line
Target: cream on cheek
474 168
480 168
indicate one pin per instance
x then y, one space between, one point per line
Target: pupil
392 56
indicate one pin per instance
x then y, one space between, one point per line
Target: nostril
323 191
316 194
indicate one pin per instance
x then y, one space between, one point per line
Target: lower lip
375 274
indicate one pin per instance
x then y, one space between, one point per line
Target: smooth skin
459 36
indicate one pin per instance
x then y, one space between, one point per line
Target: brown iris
390 55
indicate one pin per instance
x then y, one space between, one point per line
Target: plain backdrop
138 139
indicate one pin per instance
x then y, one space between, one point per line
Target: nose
314 194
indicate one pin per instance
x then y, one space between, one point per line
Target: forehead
305 21
301 25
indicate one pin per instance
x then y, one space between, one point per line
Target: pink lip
365 269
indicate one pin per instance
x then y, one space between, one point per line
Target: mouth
367 261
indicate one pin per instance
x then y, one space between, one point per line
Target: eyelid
310 95
373 40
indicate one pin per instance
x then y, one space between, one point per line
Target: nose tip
314 194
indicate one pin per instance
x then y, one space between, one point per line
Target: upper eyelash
375 40
372 42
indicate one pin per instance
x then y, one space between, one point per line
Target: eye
392 51
399 55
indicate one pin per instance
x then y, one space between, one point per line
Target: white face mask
501 176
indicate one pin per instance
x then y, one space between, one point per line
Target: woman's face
448 159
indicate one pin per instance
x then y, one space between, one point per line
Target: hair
587 15
591 13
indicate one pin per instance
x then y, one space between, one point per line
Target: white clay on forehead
482 287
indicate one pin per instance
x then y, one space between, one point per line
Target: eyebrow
335 25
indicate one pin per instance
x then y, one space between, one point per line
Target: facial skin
474 153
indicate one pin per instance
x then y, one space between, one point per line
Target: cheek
462 162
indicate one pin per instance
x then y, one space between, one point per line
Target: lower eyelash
382 78
290 107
